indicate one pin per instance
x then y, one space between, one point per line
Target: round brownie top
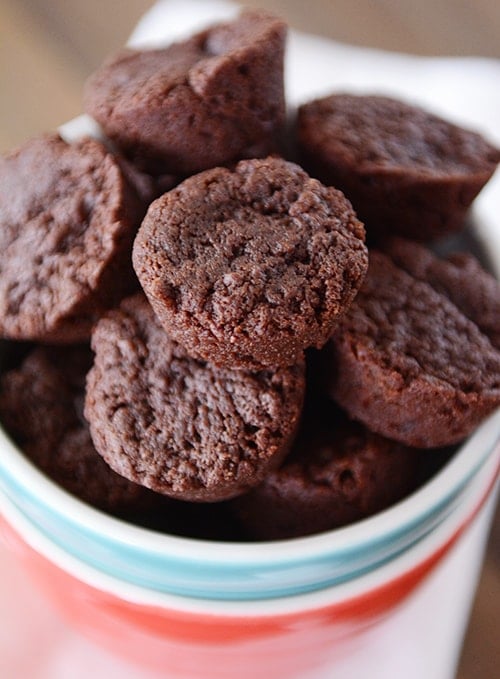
67 220
247 268
460 277
409 364
41 407
211 99
338 472
375 134
180 426
418 331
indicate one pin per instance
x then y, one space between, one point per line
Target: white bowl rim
482 492
446 482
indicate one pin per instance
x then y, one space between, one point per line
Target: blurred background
48 49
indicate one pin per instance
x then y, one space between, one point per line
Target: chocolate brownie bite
408 364
459 276
180 426
406 171
247 268
67 222
41 408
338 472
212 99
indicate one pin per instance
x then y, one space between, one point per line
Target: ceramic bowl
342 603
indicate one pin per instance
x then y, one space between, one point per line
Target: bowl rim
447 482
434 545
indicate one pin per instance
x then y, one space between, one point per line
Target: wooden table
47 49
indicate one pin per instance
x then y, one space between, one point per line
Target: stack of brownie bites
199 339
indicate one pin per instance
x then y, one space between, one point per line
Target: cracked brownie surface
408 364
459 276
179 426
67 222
247 268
